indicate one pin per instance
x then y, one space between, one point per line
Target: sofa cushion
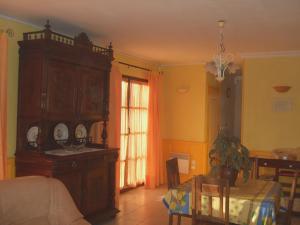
35 221
37 200
24 199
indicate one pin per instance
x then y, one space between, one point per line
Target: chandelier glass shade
222 62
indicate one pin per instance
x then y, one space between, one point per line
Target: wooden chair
284 216
210 187
253 168
173 182
172 173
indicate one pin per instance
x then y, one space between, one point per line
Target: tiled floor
144 207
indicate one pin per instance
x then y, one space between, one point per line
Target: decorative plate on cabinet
32 135
80 131
61 133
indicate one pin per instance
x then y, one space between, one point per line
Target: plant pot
230 174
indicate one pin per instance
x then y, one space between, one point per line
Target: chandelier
222 63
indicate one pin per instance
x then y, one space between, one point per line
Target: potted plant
228 156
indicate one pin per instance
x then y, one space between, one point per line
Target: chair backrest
292 195
204 190
253 168
172 173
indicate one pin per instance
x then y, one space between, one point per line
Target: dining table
254 202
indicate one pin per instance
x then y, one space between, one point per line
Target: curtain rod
130 65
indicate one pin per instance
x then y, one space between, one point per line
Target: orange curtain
114 124
3 104
154 154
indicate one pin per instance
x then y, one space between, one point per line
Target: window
134 127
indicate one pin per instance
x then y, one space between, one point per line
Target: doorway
231 105
224 106
134 132
213 114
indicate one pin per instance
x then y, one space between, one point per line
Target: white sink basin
64 152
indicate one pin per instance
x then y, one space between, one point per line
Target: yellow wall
262 128
183 116
13 68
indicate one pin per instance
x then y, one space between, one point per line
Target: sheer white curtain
134 128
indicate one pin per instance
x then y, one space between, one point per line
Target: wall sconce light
183 89
282 88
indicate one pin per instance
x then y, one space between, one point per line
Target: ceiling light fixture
222 62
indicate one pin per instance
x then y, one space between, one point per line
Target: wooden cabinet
61 78
66 80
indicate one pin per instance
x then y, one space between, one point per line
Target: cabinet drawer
267 163
282 164
69 165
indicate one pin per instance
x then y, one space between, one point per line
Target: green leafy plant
230 153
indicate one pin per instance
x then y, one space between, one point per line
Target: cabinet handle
74 164
290 166
265 164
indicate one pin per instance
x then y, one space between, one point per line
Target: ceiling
170 31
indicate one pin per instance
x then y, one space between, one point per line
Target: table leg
179 220
170 219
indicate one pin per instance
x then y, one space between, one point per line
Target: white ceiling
170 31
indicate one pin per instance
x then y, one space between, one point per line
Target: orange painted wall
183 114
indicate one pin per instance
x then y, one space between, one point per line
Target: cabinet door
73 181
96 193
30 85
91 99
61 90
